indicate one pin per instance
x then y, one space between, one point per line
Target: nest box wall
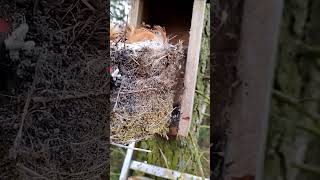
185 21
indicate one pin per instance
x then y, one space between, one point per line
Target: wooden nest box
184 20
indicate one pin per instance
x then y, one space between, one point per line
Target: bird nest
143 97
54 96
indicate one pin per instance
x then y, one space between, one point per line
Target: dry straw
142 99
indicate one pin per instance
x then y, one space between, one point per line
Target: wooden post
191 71
250 108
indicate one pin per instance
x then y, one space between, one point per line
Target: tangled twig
143 102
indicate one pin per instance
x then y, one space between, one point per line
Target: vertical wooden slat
135 16
250 108
191 66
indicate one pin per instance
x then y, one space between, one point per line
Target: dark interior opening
175 16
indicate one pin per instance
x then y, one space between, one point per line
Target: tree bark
297 76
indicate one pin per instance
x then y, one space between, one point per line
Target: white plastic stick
128 147
126 164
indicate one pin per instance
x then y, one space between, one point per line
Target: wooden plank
250 108
190 77
135 16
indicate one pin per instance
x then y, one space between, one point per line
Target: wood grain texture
250 107
136 12
191 66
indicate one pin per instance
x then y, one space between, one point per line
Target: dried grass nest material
142 99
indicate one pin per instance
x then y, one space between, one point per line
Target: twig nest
143 102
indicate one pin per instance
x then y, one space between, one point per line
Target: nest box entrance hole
173 15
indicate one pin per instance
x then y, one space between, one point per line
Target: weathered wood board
250 107
191 71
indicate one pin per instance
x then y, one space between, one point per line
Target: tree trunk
297 76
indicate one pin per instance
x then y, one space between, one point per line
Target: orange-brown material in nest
139 34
